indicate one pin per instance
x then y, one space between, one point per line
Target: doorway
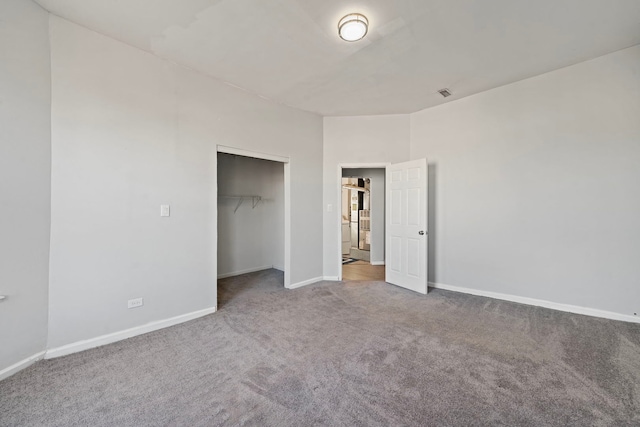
362 224
404 225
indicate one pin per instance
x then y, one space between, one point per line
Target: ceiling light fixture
353 27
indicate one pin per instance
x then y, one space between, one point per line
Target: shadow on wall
431 245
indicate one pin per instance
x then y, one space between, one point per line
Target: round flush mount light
353 27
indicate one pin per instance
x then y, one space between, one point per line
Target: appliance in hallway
356 223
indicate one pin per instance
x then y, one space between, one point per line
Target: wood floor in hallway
362 270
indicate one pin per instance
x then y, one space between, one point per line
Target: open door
406 225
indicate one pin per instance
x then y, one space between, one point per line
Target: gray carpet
357 354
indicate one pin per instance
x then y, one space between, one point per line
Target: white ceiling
289 50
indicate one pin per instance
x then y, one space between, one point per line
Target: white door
406 225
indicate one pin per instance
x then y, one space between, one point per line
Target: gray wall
25 167
352 140
131 131
377 208
250 238
532 186
537 186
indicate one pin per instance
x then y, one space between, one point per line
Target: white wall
250 238
536 186
363 139
377 194
25 167
131 131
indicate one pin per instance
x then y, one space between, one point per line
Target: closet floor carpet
344 354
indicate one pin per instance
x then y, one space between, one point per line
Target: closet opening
252 220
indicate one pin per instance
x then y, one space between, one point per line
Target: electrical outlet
133 303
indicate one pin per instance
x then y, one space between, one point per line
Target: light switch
165 210
329 208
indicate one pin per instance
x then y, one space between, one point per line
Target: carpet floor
344 354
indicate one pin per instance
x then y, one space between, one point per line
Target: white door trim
254 154
287 201
338 204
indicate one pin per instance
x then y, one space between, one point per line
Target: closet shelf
254 200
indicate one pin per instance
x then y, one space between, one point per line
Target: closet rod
254 200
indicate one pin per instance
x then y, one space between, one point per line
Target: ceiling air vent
444 92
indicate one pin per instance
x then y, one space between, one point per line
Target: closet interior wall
250 230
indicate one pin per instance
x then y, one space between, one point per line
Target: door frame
338 210
286 161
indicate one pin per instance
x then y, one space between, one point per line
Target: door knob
421 233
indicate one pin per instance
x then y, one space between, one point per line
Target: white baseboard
305 283
376 262
331 278
540 303
127 333
7 372
248 270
